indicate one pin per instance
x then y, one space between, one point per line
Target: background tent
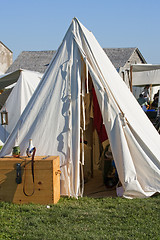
55 117
26 83
145 74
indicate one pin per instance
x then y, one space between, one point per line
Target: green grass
85 218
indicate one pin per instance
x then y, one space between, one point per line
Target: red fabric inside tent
98 120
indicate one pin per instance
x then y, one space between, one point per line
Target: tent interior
99 171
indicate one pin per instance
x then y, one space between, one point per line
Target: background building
6 58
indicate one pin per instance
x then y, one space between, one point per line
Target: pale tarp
52 118
26 83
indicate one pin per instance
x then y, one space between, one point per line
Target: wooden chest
24 181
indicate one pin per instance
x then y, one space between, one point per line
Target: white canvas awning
145 74
9 78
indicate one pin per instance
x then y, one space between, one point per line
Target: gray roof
120 56
32 60
39 60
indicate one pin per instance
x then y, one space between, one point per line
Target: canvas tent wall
52 117
145 74
25 84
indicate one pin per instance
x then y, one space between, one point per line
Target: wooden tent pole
92 151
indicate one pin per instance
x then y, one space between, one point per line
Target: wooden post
131 70
150 102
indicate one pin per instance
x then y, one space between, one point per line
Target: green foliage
85 218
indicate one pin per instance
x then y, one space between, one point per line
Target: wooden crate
46 185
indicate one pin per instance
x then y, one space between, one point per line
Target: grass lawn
85 218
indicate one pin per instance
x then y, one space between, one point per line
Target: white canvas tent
25 84
52 117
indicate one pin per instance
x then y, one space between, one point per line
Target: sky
35 25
